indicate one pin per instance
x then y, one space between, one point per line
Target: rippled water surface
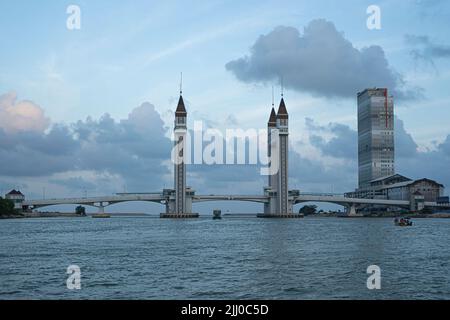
150 258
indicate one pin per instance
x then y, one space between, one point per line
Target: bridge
277 199
164 198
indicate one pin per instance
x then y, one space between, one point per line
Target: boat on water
217 214
403 222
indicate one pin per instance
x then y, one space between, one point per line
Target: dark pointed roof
273 119
282 111
181 110
15 192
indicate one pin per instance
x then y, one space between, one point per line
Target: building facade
375 135
398 187
17 197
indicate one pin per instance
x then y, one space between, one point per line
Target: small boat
403 222
217 214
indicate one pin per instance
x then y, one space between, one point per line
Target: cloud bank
320 61
132 148
409 161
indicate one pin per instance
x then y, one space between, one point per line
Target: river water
232 258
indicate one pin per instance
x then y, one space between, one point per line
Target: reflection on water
149 258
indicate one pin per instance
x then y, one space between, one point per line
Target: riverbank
31 215
11 216
443 215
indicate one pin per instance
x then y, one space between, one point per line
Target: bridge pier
270 208
171 211
351 210
101 210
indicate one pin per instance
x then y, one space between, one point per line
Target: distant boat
403 222
217 214
101 215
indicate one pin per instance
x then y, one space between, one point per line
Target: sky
90 110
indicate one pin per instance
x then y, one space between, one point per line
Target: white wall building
17 197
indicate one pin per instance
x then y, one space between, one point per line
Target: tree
308 210
6 207
80 210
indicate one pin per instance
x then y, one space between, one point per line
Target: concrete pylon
351 210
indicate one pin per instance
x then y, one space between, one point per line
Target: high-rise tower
282 183
180 132
375 135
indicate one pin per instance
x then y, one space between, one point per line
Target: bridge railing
321 194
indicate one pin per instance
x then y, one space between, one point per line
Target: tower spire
272 119
181 84
282 87
181 109
282 112
273 116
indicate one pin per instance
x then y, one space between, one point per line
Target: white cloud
21 115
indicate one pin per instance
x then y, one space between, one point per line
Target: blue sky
125 54
129 53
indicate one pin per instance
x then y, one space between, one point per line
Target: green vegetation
7 207
308 210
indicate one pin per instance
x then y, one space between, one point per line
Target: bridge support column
101 210
171 210
270 208
351 210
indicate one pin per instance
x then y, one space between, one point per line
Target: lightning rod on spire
181 83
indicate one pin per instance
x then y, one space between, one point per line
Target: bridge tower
282 184
272 153
180 131
179 204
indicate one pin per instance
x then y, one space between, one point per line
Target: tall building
282 183
375 135
271 132
180 132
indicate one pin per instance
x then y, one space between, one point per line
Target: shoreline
54 214
35 215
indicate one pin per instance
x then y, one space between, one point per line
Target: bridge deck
155 197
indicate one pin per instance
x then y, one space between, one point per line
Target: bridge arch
151 206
